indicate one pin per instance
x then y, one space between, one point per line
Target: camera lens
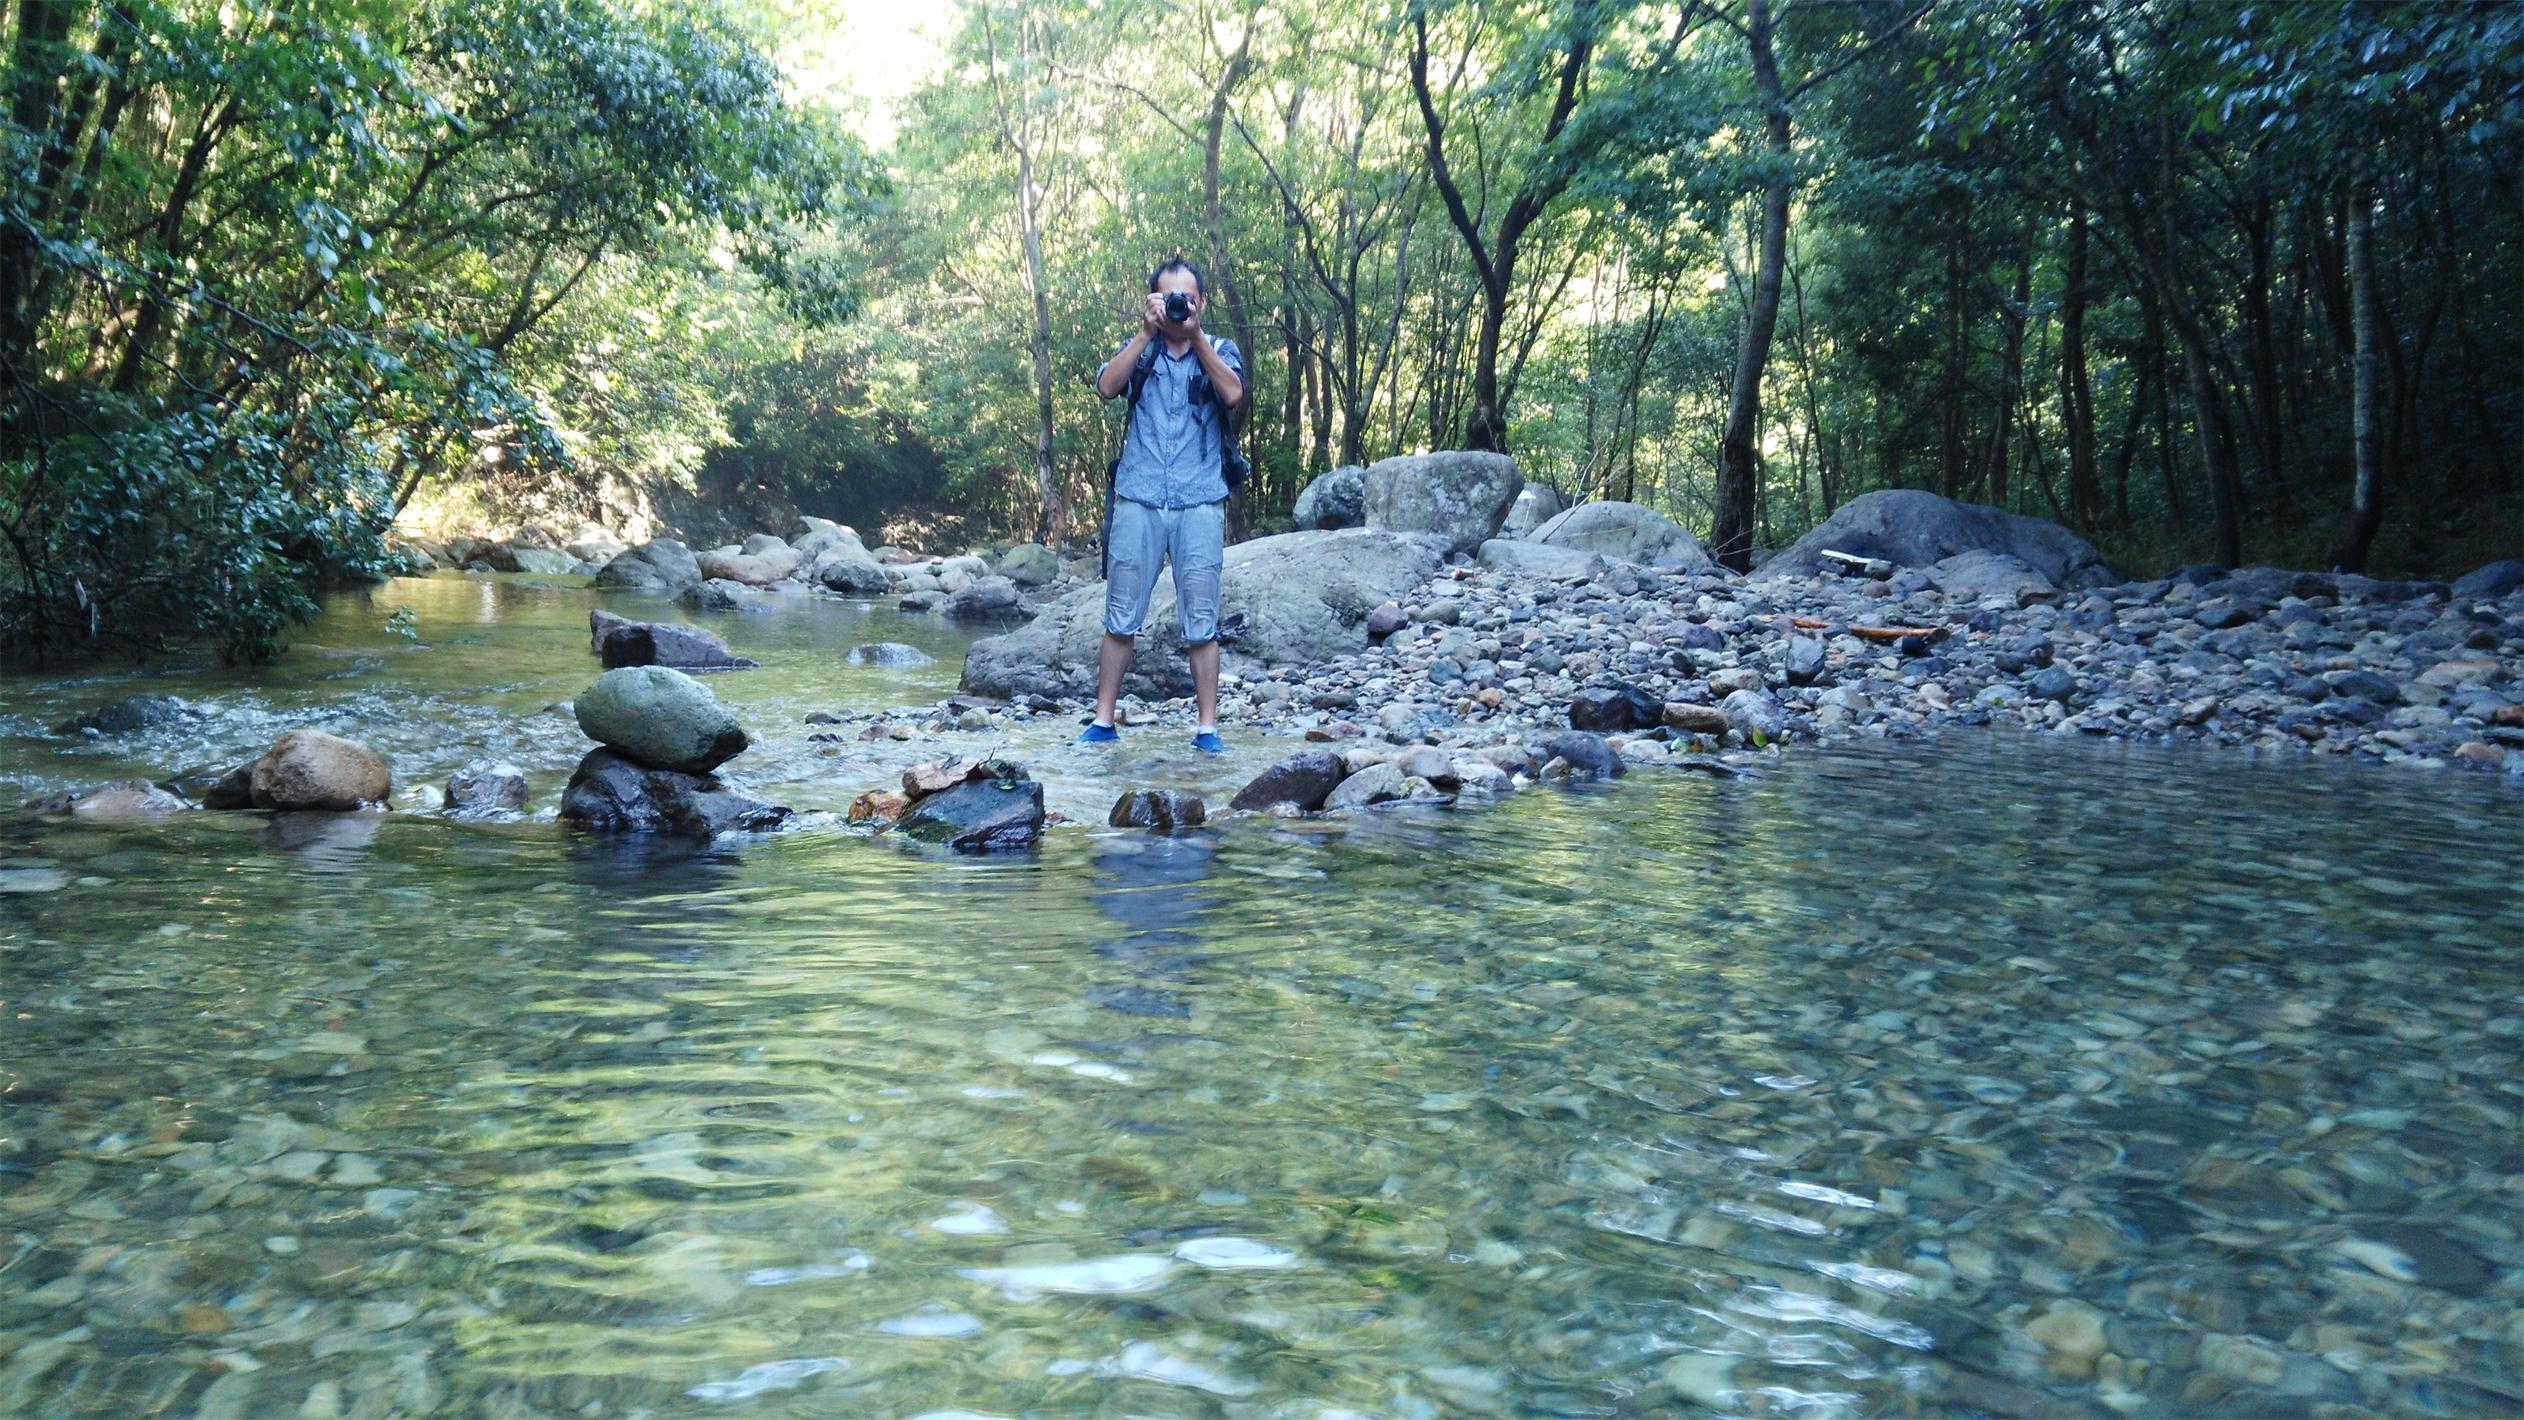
1178 306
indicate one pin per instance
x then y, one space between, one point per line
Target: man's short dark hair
1175 263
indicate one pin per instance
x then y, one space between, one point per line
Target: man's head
1176 277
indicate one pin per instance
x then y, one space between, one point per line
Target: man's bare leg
1204 659
1116 659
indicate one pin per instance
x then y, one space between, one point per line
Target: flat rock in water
1376 784
1305 779
130 800
992 598
979 815
611 794
661 718
723 594
621 642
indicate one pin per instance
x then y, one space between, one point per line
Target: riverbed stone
1459 496
1755 715
130 800
1304 779
1334 499
609 793
1614 708
661 566
979 815
1586 754
1502 554
1159 809
760 561
309 769
486 786
132 712
523 557
660 718
721 594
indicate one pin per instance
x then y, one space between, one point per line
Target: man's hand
1200 303
1152 316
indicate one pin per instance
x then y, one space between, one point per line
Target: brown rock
922 780
879 806
1698 719
309 769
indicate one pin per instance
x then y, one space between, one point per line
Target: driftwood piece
1869 633
1851 564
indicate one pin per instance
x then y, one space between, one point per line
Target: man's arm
1224 377
1116 374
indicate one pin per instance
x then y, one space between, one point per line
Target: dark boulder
1158 809
611 794
1305 779
1911 527
979 815
1610 708
1337 499
992 598
232 790
2497 579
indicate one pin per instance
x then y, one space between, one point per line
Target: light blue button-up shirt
1171 457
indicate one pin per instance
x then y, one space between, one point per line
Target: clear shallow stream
1989 1076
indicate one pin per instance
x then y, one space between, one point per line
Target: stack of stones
973 805
663 733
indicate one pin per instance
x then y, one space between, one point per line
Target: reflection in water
1814 1094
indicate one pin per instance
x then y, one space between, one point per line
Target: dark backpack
1231 462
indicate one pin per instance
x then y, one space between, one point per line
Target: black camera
1178 306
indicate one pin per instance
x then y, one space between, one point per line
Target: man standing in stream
1170 488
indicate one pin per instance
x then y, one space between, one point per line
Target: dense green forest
2206 281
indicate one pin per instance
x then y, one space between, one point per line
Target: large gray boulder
1537 505
611 794
992 598
1459 496
524 557
309 769
1625 532
1337 499
1029 564
1304 779
661 718
2495 579
1292 599
1911 527
816 534
661 566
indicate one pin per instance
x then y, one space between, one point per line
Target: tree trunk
1731 535
1051 520
2077 393
2366 507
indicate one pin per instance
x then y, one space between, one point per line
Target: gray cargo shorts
1142 539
